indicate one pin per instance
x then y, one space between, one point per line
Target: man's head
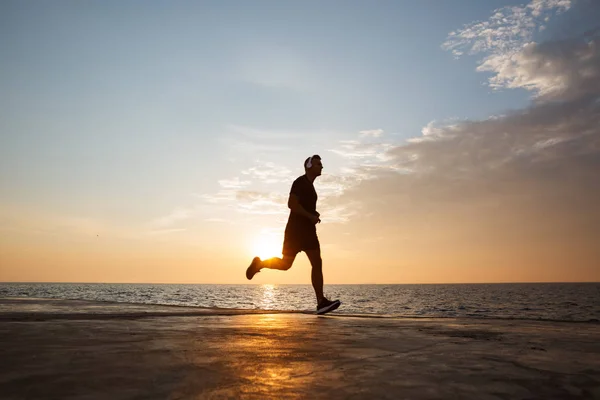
313 166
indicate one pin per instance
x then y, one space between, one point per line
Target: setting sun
267 246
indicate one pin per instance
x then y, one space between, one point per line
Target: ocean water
534 301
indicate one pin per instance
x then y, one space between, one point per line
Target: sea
574 302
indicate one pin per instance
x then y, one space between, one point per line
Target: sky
156 141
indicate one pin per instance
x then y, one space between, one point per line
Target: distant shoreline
295 284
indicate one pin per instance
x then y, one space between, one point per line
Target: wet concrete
55 350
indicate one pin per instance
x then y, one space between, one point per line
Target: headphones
309 162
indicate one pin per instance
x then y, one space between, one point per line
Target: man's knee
315 259
286 262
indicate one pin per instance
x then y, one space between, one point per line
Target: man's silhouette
301 234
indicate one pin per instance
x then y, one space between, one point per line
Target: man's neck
310 177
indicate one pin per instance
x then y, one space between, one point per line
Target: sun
267 246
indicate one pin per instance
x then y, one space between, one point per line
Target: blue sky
145 92
175 117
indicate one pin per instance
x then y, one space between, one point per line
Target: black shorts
299 239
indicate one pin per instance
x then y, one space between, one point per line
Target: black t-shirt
307 196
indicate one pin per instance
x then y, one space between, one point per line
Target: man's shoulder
299 184
300 180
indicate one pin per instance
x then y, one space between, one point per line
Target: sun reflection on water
268 299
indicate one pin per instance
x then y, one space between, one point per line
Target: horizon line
290 284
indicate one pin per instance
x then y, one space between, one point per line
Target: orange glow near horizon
266 246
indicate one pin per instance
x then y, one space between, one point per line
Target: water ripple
545 301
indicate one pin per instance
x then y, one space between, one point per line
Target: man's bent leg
316 274
282 264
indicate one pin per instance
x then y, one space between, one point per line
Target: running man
301 234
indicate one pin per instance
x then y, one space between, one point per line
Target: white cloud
334 184
355 149
335 213
539 7
548 153
366 158
252 200
518 191
245 196
552 70
265 203
234 183
474 147
269 172
372 133
512 57
221 197
506 30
